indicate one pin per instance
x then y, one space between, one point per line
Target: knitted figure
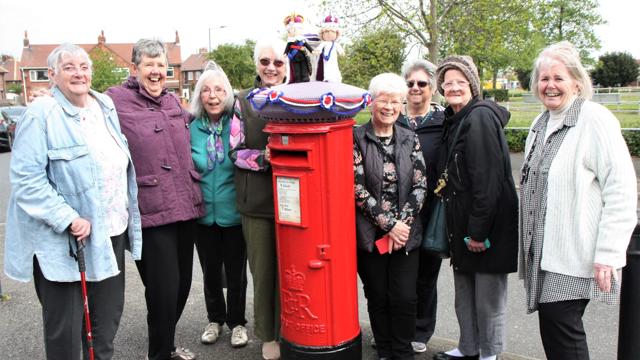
328 51
297 49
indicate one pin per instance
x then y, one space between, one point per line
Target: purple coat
157 130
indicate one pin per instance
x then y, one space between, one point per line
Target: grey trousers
260 236
481 304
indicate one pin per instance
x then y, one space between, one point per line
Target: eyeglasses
384 102
72 69
267 62
421 84
449 84
217 91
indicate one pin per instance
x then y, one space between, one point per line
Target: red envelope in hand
383 244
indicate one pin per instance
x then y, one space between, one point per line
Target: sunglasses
267 62
421 84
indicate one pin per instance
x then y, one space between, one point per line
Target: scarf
215 147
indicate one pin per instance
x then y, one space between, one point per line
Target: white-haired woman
577 203
73 184
219 241
390 187
254 189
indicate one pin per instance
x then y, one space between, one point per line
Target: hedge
499 95
516 138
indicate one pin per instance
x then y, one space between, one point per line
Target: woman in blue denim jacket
72 180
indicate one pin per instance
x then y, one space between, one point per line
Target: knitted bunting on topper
314 101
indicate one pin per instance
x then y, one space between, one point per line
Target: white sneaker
239 337
182 354
271 350
418 347
211 333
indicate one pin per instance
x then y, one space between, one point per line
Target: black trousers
562 330
165 270
63 311
390 288
427 290
218 246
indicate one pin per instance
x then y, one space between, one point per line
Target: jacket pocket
195 187
150 194
71 169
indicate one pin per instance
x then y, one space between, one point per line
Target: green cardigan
217 186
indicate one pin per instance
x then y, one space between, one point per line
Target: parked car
8 118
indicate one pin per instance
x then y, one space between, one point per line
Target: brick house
192 67
33 63
12 76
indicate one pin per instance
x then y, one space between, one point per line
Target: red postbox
312 164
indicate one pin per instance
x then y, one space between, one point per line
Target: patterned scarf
215 147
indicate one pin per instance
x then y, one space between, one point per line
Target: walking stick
85 299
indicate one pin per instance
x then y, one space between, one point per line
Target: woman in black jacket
389 191
481 209
426 119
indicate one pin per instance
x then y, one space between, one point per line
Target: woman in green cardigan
220 241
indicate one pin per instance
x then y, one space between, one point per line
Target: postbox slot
290 158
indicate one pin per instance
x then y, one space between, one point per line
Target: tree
417 21
373 53
237 63
615 69
571 20
106 72
14 88
496 34
524 77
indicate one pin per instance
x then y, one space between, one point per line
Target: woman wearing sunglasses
425 118
254 189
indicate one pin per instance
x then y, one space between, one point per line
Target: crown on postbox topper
314 101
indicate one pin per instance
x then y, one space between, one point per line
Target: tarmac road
21 326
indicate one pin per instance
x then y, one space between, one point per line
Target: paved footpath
21 327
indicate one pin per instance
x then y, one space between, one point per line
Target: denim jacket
54 180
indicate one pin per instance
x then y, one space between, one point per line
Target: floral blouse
386 211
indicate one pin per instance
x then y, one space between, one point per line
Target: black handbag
434 239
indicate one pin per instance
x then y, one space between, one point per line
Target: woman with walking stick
73 186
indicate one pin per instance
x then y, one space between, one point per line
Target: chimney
102 39
202 51
177 38
25 42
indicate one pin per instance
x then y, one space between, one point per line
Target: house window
170 72
198 73
190 75
38 75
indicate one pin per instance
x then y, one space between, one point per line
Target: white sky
80 21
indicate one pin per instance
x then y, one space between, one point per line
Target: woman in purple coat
157 129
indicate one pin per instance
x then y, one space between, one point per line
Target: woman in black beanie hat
481 209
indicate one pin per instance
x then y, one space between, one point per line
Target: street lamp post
214 28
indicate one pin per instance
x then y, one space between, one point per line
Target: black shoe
444 356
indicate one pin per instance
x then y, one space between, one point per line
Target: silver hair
388 83
421 64
152 48
196 107
565 53
55 57
277 46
